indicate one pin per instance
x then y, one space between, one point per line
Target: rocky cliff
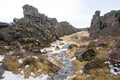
107 24
35 26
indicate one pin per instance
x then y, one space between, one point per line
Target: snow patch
81 71
114 68
1 57
10 52
10 76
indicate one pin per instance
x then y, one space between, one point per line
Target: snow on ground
114 68
10 76
57 48
56 52
10 52
1 57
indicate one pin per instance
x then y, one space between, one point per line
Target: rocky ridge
108 24
35 26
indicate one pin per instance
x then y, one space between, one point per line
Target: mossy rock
28 40
20 55
71 46
28 46
95 63
7 48
30 29
86 55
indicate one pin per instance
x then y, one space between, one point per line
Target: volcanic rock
37 26
108 24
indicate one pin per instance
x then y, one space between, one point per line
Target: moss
30 29
28 40
28 46
20 55
118 31
71 46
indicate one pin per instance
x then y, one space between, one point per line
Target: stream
67 68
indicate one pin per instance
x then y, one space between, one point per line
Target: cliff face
107 24
35 26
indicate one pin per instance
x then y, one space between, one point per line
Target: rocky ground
36 47
94 59
74 57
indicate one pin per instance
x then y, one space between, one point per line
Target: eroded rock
85 55
108 24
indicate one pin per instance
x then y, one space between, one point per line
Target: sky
77 12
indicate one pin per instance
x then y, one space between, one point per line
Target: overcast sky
78 12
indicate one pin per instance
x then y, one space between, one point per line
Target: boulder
91 65
86 55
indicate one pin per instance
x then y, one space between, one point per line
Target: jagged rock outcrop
86 55
108 24
3 24
64 28
36 26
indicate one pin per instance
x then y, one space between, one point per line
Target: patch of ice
6 47
35 57
10 76
32 74
10 52
113 69
81 71
88 75
46 77
26 66
20 60
1 58
21 49
98 48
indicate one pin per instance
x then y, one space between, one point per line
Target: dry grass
102 73
67 37
11 64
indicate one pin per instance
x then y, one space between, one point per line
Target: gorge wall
108 24
35 26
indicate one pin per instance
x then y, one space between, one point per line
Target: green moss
71 46
28 40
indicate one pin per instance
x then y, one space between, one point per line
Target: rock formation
35 26
107 24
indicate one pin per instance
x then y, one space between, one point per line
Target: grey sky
77 12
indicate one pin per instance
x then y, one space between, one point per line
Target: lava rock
91 65
109 24
35 25
86 55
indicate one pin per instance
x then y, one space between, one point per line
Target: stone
91 65
3 24
85 55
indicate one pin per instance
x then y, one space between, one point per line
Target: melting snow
10 52
81 71
10 76
114 68
1 58
67 68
